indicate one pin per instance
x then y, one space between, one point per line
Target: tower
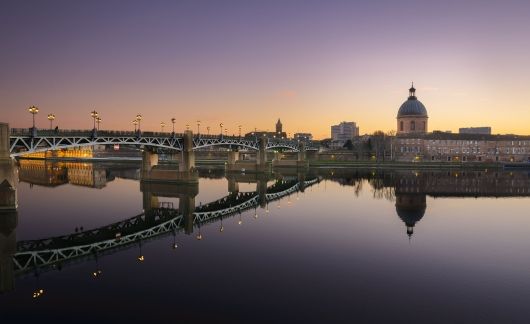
278 127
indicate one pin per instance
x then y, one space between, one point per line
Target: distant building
475 130
344 131
278 126
303 136
279 133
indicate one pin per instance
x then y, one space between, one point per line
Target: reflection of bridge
152 223
22 141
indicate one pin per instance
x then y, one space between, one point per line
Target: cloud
287 94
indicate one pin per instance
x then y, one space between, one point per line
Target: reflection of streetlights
221 229
51 117
39 291
199 236
33 110
94 115
255 213
173 120
140 257
174 246
162 124
98 271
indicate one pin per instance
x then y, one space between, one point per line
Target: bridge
25 141
45 254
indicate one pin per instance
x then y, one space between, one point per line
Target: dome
412 107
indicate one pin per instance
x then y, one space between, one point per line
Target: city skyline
309 63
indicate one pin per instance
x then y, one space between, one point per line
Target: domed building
412 115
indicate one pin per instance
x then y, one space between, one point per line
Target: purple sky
311 63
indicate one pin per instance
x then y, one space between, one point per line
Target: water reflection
408 189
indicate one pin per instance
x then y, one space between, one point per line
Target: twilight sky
311 63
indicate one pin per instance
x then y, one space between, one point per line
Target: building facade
449 147
475 130
303 136
344 131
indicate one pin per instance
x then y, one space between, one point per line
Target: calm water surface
353 246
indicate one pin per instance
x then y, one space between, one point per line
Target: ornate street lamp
239 130
135 122
94 115
221 126
198 127
139 119
208 129
33 110
162 124
51 118
98 121
173 120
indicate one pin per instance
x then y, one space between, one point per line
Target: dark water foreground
330 245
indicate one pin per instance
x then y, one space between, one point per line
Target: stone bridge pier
185 173
8 212
234 164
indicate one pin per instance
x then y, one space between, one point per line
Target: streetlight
226 131
99 120
187 126
94 115
239 130
139 119
135 122
51 117
208 129
173 120
33 110
221 126
198 127
162 124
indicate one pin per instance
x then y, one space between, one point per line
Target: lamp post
221 126
208 130
51 118
239 130
162 124
94 115
187 126
198 127
33 110
173 120
139 119
98 121
135 122
226 131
